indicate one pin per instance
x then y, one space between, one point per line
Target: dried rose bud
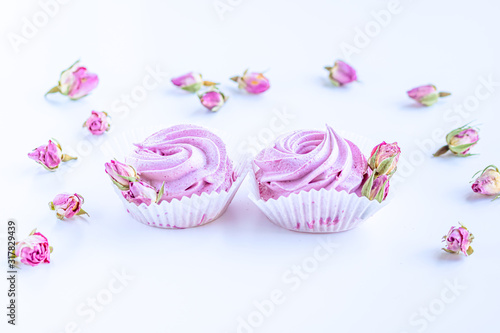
488 182
460 141
75 82
341 73
213 99
384 158
33 250
121 174
458 240
191 82
426 95
376 187
97 123
142 193
50 155
253 83
67 205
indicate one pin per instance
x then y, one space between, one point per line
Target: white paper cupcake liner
323 211
187 212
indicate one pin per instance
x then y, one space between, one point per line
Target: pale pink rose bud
458 240
426 95
213 99
75 82
50 155
141 193
191 82
67 205
253 83
376 187
121 174
97 123
384 158
460 141
488 182
341 73
33 250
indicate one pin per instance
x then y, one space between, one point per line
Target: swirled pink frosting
189 159
308 159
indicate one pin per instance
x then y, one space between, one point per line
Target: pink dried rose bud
97 123
33 250
458 240
50 155
341 73
384 158
376 187
426 95
460 141
75 82
253 83
121 174
67 205
191 82
488 182
213 99
142 193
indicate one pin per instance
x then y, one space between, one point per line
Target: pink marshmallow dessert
311 181
180 177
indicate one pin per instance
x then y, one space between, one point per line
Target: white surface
203 279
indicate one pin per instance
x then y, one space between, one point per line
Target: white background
202 280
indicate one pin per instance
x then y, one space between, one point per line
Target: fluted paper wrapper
323 211
189 212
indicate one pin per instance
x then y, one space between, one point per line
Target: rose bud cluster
50 155
121 174
458 240
460 141
341 73
67 205
191 82
97 123
128 182
253 83
383 164
210 98
75 82
426 95
33 250
488 182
